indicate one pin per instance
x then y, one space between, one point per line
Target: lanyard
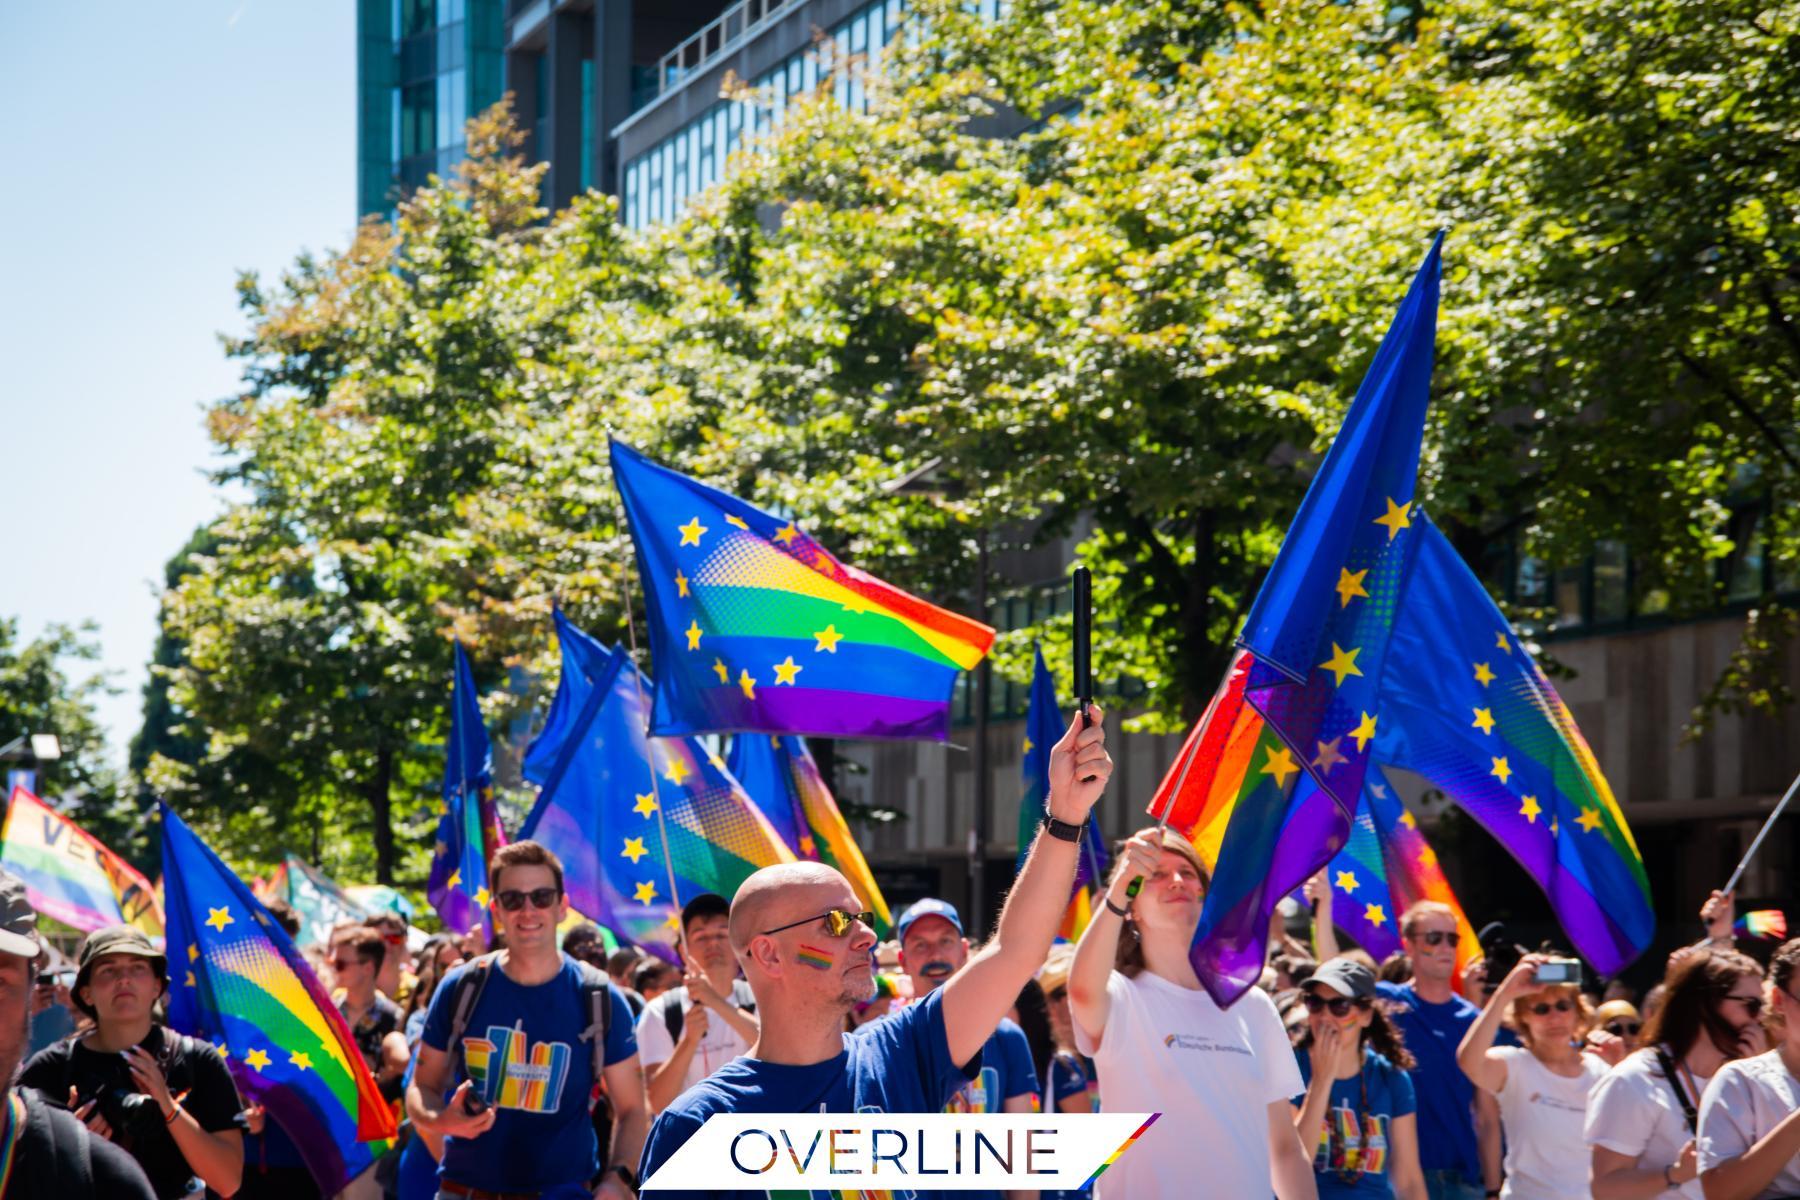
15 1126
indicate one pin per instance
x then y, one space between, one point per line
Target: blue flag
609 796
468 823
1043 726
237 981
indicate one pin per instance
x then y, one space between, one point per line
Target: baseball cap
18 920
115 939
928 907
1346 977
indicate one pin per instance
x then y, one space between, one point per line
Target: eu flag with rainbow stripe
756 627
609 797
1385 869
1303 710
468 830
1043 727
779 775
1464 705
236 980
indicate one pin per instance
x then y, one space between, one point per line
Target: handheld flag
70 875
756 627
782 780
1043 727
1315 643
1464 705
1386 868
469 824
236 980
1769 924
601 810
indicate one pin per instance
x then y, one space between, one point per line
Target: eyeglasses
1752 1004
1340 1006
1437 937
837 922
1544 1010
1624 1028
343 964
512 900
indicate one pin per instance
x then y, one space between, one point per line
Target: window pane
1568 598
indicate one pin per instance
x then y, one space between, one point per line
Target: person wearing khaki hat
164 1098
44 1152
1069 1083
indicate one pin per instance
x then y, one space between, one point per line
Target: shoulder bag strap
1687 1105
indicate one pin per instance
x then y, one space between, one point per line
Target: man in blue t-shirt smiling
805 951
518 1122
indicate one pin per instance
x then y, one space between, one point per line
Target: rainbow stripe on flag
236 980
755 627
1769 924
70 875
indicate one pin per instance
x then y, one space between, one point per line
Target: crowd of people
536 1061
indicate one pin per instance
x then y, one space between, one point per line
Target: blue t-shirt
1068 1077
1002 1071
899 1064
1356 1142
1445 1096
522 1048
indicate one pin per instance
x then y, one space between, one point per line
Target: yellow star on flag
482 896
1503 642
1408 820
646 804
1484 674
455 880
1427 856
1329 756
674 921
747 681
787 533
1555 827
1364 731
693 632
681 586
1350 585
1346 881
1395 518
677 771
1589 820
828 638
1530 809
1342 663
1028 746
735 520
1484 720
1501 771
218 918
690 533
634 850
644 893
1280 765
193 952
1374 915
721 670
301 1059
785 671
258 1059
190 981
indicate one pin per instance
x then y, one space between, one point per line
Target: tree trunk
1204 662
381 806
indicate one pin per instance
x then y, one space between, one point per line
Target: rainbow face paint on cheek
819 960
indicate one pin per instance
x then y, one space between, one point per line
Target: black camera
1499 953
131 1114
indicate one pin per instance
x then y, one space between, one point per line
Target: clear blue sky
151 152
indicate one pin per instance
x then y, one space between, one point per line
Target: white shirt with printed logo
1543 1115
1211 1072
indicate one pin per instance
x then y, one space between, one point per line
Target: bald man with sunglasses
805 948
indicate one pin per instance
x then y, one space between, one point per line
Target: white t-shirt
718 1045
1211 1072
1542 1114
1633 1110
1742 1104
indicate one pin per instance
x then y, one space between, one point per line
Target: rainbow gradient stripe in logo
509 1072
1123 1147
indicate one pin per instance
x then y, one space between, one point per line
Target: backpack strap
69 1144
596 1002
462 1005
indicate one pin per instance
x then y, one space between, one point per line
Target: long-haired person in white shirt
1643 1117
1221 1078
1542 1085
1750 1114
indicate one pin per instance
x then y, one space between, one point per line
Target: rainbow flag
1385 869
1769 924
468 823
755 627
779 775
321 904
236 980
608 795
70 875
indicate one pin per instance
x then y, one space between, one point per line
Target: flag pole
1760 835
662 828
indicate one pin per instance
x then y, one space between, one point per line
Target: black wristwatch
627 1174
1062 829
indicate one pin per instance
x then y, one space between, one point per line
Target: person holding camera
1543 1084
164 1098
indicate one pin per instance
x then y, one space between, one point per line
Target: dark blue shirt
1001 1072
1444 1095
1355 1150
900 1064
522 1049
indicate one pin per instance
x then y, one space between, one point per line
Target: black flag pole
1081 593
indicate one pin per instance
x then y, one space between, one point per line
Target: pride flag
468 823
601 785
69 875
1043 726
320 903
755 627
779 775
237 981
1385 869
1769 924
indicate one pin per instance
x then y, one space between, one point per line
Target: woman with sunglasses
1641 1119
1542 1085
1620 1018
1358 1107
1749 1143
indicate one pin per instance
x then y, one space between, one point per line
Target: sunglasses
1623 1028
1544 1010
343 964
837 922
1437 937
1340 1006
1752 1004
512 899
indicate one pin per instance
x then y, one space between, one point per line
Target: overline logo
938 1151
